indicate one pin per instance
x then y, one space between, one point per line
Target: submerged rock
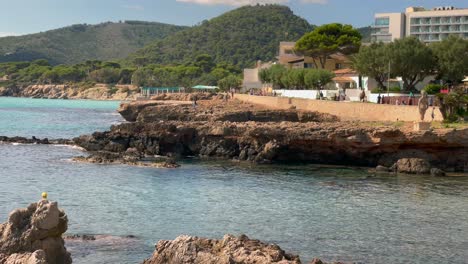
437 172
33 235
229 250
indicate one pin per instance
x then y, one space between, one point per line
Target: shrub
377 90
432 88
395 89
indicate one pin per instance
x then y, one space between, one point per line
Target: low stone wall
345 110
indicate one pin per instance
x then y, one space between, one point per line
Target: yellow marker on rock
44 195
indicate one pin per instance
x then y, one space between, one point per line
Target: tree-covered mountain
77 43
365 33
239 37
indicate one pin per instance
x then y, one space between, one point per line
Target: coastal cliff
33 235
246 132
54 91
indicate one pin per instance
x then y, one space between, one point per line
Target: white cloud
7 34
134 7
249 2
321 2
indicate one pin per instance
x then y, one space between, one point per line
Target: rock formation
33 235
267 142
56 91
229 250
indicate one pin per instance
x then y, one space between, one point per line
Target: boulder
37 257
437 172
229 250
413 166
34 235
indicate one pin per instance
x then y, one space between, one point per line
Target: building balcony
381 34
380 26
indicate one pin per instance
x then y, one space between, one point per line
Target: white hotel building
427 25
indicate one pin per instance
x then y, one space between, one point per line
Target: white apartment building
427 25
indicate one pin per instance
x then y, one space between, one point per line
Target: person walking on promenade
433 114
379 98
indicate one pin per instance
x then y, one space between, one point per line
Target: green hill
77 43
239 37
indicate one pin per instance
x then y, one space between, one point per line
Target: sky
31 16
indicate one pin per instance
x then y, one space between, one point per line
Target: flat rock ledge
33 235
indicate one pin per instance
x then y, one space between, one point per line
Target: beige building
251 76
288 58
427 25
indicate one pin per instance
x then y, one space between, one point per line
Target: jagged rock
229 250
437 172
413 166
316 261
37 257
34 235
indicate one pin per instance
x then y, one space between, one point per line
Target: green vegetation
239 37
280 77
433 88
78 43
454 106
365 33
412 60
229 82
373 61
202 71
41 72
328 39
452 58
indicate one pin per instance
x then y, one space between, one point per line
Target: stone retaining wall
345 110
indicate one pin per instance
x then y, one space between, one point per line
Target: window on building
309 65
288 51
338 66
415 21
382 21
436 20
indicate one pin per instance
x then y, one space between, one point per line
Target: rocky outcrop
33 235
183 96
214 110
34 140
265 142
75 91
229 250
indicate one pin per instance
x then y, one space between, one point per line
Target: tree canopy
412 60
280 77
452 58
373 61
328 39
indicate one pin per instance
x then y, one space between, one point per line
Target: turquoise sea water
335 213
55 118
